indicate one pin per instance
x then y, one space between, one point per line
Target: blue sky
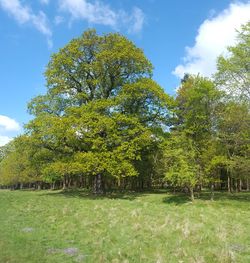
177 36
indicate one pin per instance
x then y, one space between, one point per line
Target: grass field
54 226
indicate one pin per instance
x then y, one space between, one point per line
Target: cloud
44 2
58 20
8 128
25 15
4 140
97 13
9 124
101 13
138 19
134 21
214 35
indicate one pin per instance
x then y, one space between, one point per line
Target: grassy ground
46 226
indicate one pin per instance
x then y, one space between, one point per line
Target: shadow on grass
176 199
241 197
86 194
180 198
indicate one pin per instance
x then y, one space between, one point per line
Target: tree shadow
219 196
176 199
225 196
86 194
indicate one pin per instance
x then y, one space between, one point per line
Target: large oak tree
101 109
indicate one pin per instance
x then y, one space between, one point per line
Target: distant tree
17 166
5 150
234 137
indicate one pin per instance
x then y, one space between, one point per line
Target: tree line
105 124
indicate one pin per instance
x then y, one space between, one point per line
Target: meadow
74 226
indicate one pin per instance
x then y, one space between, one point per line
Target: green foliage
181 163
196 104
234 128
101 108
188 150
5 150
234 70
88 68
234 135
18 165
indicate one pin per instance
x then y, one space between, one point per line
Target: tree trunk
236 185
240 185
75 183
125 183
247 184
191 190
119 183
64 183
212 192
81 183
141 184
69 182
149 181
228 184
98 185
53 186
199 188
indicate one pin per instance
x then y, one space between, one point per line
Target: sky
180 36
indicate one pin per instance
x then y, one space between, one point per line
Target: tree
5 150
233 70
196 106
180 157
234 136
89 68
100 111
18 166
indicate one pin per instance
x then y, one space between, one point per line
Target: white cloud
8 128
101 13
138 19
40 21
58 20
9 124
97 13
214 35
24 15
44 2
14 7
4 140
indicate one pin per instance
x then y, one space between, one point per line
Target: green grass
54 226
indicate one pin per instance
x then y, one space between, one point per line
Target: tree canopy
101 109
234 69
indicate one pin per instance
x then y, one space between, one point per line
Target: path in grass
55 227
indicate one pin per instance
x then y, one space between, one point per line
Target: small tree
182 168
